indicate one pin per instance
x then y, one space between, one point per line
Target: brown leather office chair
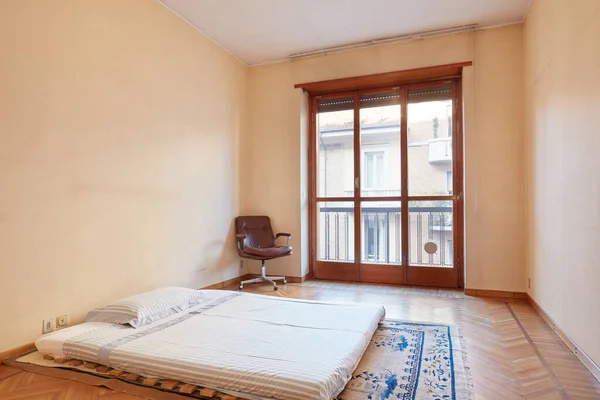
255 241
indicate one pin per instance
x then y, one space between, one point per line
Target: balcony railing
440 150
381 235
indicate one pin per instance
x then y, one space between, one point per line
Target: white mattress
262 346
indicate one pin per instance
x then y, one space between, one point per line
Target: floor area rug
411 361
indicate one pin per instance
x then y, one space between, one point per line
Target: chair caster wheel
284 282
241 287
275 288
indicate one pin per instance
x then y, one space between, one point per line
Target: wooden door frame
457 197
437 276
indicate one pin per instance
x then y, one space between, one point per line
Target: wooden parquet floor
512 352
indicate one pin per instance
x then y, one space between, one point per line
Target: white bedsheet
259 345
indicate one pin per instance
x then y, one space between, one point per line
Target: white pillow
145 308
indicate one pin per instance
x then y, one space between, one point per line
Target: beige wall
562 92
493 136
119 138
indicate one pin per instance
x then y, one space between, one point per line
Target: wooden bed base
168 385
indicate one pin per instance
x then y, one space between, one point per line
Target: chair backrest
257 229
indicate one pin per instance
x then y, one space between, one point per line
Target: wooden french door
386 185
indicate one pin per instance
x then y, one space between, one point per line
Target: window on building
374 170
449 181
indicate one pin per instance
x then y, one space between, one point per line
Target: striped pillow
145 308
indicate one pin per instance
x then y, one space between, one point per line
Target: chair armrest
241 241
288 235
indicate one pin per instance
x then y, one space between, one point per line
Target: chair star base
264 278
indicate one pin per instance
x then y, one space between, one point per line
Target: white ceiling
261 31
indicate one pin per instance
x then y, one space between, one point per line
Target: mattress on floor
262 346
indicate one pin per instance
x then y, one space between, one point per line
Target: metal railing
381 235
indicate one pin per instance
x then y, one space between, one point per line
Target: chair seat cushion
268 252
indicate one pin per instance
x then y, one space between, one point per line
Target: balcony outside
440 150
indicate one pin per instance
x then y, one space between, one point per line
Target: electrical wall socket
61 321
48 325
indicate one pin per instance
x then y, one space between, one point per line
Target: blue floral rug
411 361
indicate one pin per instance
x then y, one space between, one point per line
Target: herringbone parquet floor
512 353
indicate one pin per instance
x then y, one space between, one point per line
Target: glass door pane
430 233
335 231
429 152
335 147
380 144
381 232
